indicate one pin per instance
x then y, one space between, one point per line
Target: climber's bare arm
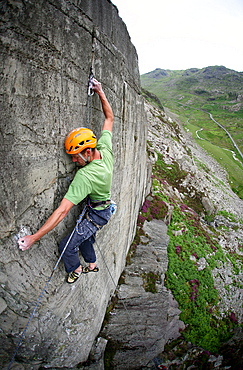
57 216
109 117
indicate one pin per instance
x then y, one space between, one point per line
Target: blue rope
29 321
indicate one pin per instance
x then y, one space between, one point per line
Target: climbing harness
97 203
93 204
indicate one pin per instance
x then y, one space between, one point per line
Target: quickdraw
90 83
90 94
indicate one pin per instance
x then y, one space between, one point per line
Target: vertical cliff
47 49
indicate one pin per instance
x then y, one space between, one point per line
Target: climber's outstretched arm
57 216
109 117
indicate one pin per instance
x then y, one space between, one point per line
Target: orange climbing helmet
79 139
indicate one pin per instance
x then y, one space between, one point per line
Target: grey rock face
47 49
143 321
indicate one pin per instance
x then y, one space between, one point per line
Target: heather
193 253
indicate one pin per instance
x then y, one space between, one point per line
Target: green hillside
194 94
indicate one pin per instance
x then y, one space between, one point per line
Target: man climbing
92 181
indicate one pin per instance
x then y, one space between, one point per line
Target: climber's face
79 160
82 158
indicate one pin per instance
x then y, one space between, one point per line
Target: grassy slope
191 242
215 90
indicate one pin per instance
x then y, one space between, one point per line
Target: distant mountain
194 94
219 84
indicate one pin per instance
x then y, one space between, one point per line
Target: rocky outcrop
47 49
146 316
204 176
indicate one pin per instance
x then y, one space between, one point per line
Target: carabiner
90 84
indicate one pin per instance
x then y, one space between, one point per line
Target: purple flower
194 289
233 317
145 206
141 219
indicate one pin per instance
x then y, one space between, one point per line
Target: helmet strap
83 158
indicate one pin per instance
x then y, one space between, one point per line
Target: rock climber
92 182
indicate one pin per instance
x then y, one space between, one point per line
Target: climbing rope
42 295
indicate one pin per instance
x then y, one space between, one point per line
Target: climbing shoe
87 269
73 276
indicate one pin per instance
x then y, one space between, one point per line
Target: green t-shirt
95 178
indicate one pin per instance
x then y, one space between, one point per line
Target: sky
182 34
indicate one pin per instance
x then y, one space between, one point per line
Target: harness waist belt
98 203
